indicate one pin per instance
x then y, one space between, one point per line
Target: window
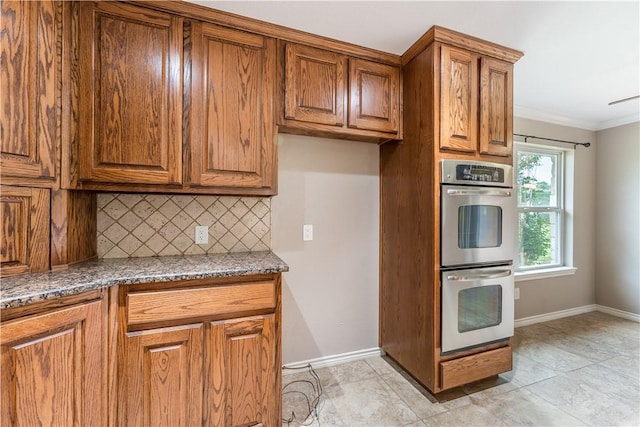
539 181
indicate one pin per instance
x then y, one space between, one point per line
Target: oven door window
479 226
479 308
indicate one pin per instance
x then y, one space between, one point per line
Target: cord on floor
313 410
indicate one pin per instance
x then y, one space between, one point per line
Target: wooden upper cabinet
232 124
130 94
53 368
315 85
331 94
458 100
496 107
476 103
29 74
374 91
24 242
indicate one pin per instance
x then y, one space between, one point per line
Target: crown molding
558 119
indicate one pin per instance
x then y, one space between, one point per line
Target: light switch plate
307 232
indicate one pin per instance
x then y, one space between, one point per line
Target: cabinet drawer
475 367
193 303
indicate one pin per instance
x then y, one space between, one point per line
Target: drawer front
475 367
181 304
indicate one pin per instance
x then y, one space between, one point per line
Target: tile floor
575 371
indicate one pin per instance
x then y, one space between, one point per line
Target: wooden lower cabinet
161 380
240 380
53 367
186 358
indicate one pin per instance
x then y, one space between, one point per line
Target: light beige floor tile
370 402
583 401
613 383
423 406
523 408
468 415
527 371
416 424
345 373
488 387
380 365
628 366
554 358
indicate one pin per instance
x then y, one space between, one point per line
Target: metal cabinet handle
499 193
479 276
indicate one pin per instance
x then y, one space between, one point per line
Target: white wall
618 218
562 293
330 294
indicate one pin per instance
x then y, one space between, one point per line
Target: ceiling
578 55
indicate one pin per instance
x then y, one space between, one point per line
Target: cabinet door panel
496 107
374 96
315 85
29 73
52 368
242 373
24 215
161 382
130 95
232 124
459 100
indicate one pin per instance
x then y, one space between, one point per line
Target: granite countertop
22 290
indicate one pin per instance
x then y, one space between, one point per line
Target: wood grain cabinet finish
130 94
53 368
29 73
161 379
315 85
241 359
331 94
203 352
24 215
476 103
232 129
374 96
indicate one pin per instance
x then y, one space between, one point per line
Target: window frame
559 209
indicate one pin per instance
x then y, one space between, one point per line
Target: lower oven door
477 306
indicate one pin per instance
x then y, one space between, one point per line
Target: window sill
547 273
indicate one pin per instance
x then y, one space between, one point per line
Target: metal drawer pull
480 276
498 193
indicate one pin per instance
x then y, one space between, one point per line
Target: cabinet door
53 368
24 215
161 379
458 100
315 85
374 96
496 107
233 133
242 377
130 99
29 73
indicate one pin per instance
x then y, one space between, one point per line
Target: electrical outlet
307 232
516 293
202 234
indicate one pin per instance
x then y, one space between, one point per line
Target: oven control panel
476 173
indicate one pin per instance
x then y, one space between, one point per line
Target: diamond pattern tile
137 225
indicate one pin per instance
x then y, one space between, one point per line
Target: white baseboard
525 321
336 359
619 313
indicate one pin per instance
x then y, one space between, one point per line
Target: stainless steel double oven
477 233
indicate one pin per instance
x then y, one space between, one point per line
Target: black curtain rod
575 144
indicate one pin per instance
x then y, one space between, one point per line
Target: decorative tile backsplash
139 225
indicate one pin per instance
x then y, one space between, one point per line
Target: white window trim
567 269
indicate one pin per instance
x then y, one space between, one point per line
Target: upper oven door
477 225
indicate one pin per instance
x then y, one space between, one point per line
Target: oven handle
479 276
474 192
